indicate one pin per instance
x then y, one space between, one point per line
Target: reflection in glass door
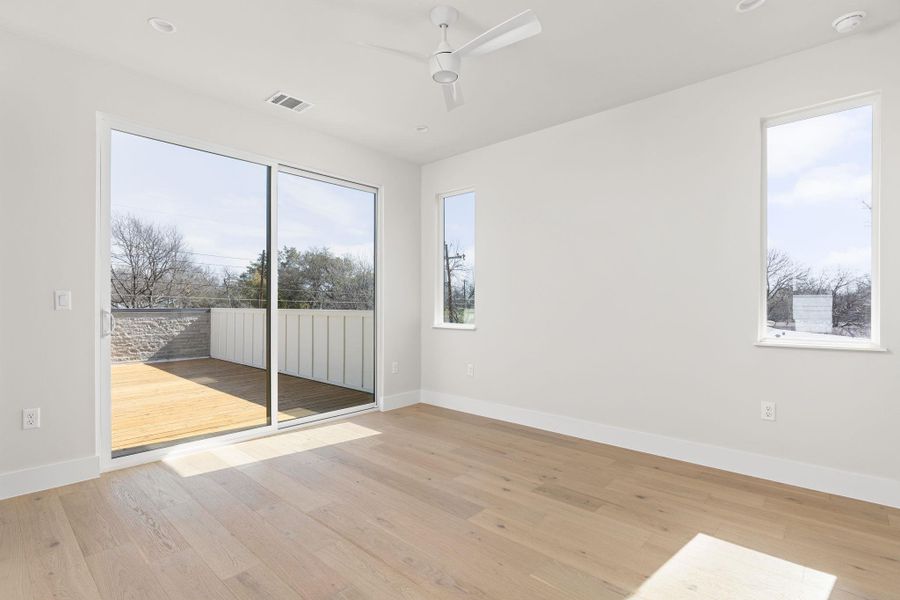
326 295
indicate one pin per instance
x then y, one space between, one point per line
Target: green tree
313 278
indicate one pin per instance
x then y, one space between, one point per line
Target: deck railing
333 346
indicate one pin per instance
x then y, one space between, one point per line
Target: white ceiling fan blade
520 27
419 58
453 96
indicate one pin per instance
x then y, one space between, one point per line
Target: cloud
338 208
835 183
850 258
794 147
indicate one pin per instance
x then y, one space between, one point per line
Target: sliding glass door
188 294
193 347
326 295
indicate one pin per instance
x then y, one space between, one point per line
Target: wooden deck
156 403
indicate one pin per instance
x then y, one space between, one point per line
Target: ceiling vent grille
288 102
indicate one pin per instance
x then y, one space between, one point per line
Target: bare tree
782 273
851 296
151 267
455 278
851 293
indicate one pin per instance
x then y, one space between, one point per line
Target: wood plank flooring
156 403
427 503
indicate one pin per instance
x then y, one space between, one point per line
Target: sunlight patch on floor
265 448
707 568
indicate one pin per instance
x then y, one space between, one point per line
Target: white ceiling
592 55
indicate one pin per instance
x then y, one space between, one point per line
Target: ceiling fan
445 62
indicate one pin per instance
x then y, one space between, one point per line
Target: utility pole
261 291
451 310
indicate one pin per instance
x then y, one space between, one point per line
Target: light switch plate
62 300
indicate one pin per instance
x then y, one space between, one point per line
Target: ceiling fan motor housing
443 15
444 67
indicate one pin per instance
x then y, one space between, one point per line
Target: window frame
873 344
438 260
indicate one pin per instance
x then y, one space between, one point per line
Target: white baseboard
870 488
860 486
400 400
44 477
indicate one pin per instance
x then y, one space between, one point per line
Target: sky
819 177
316 213
459 227
219 203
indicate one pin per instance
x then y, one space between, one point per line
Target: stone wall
147 335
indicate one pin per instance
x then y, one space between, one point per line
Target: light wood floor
157 403
428 503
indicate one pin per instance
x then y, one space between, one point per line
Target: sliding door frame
376 192
106 124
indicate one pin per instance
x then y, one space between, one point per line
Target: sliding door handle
108 322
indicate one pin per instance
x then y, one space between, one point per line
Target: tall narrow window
457 260
821 220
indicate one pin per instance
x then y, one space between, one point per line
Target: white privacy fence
333 346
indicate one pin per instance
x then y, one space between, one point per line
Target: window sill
812 345
458 326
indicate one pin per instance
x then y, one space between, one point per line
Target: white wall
49 98
617 269
659 198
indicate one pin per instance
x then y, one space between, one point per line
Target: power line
123 258
219 255
280 300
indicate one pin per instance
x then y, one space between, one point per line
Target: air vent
289 102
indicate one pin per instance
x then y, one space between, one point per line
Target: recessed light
849 22
748 5
161 25
422 129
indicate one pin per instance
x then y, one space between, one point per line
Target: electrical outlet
470 370
31 418
395 367
767 410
